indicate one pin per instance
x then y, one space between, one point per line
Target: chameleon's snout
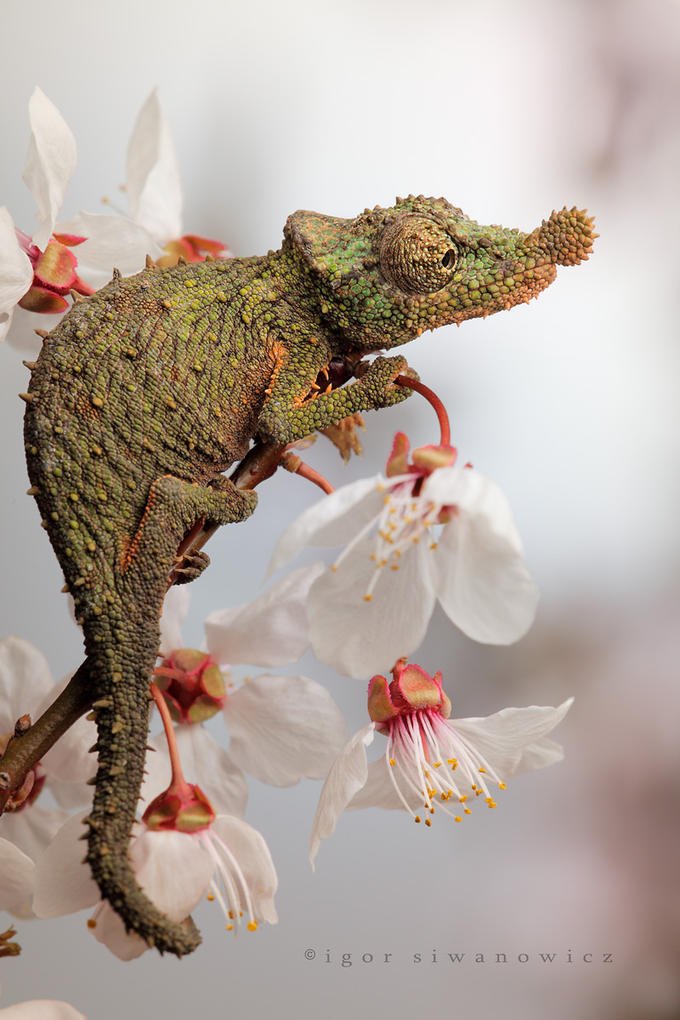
566 236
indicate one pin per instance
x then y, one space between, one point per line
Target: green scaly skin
147 391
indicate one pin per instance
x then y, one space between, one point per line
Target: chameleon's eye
416 255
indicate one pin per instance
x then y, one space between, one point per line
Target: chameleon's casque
148 390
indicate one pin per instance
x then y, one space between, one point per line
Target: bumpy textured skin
148 390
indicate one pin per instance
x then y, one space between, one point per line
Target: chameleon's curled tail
122 714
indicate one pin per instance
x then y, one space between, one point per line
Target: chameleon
148 390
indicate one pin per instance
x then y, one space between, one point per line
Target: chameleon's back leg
122 644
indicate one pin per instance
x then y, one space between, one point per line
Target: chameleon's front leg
289 413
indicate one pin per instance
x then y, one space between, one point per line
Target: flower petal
109 241
110 931
347 776
360 637
69 760
283 729
270 631
17 874
153 180
212 768
33 828
25 680
334 520
16 271
478 570
41 1009
378 791
63 884
511 740
175 611
173 869
254 859
50 162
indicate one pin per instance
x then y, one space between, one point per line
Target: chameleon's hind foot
189 566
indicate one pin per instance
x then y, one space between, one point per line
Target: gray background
571 404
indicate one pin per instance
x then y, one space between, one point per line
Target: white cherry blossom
282 728
432 763
227 861
428 530
30 821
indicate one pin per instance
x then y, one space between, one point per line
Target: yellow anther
231 915
467 811
417 818
491 802
463 798
229 927
252 925
210 897
433 545
436 764
458 819
368 598
502 786
482 770
392 762
91 923
428 822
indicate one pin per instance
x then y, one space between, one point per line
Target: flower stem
434 401
178 783
291 462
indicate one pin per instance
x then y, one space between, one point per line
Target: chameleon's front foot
377 378
189 566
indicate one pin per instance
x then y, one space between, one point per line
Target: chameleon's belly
130 386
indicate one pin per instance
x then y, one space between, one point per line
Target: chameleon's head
388 275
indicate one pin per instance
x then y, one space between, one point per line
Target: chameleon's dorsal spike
149 262
77 297
28 397
30 365
116 276
181 261
209 257
33 491
42 333
64 589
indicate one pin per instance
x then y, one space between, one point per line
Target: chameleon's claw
189 566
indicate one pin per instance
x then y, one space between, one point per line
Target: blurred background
570 404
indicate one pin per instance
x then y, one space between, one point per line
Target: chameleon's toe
190 566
